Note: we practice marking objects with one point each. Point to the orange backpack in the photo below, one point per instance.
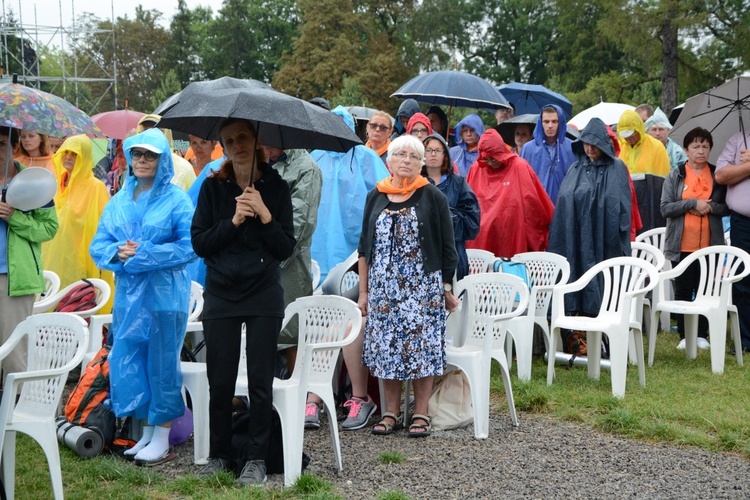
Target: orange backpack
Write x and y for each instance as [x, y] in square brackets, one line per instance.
[84, 406]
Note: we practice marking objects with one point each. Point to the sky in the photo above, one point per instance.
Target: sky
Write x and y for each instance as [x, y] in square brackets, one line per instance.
[48, 12]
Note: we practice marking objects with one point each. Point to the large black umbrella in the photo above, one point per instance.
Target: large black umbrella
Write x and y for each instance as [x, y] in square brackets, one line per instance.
[282, 121]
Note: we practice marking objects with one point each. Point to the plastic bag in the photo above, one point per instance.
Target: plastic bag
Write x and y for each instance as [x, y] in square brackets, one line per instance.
[450, 404]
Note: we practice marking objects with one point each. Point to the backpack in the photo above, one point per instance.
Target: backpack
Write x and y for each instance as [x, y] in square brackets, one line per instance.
[88, 402]
[81, 297]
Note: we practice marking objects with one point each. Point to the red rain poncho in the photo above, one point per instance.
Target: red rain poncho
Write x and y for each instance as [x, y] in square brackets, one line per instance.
[516, 210]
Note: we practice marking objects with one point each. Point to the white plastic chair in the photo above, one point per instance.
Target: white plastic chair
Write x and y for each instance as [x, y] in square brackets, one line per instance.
[326, 324]
[480, 261]
[623, 280]
[719, 266]
[55, 343]
[544, 270]
[489, 302]
[657, 237]
[641, 314]
[43, 302]
[103, 292]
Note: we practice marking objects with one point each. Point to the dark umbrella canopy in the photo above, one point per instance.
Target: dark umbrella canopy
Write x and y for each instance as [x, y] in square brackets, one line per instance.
[508, 127]
[452, 88]
[528, 98]
[282, 121]
[723, 111]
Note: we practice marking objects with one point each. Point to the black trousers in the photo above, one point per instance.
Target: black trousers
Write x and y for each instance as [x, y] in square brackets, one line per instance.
[739, 233]
[222, 359]
[685, 286]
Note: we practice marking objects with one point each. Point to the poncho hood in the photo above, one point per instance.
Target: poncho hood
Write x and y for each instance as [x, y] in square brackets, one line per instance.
[472, 121]
[154, 140]
[658, 118]
[83, 169]
[419, 118]
[562, 125]
[629, 120]
[492, 145]
[595, 133]
[408, 108]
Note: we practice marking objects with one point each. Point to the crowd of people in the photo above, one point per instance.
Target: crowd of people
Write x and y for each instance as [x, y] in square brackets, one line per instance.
[246, 220]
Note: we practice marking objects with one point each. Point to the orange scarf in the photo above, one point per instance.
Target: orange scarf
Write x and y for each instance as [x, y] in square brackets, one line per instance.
[386, 186]
[382, 150]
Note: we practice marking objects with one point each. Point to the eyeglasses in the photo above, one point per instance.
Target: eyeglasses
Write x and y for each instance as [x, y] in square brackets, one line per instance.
[403, 156]
[489, 160]
[148, 155]
[377, 126]
[438, 152]
[419, 131]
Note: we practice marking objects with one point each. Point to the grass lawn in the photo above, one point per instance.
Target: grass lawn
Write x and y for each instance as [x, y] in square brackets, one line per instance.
[683, 403]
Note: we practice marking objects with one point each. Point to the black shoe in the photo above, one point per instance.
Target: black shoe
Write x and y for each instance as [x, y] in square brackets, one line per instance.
[253, 473]
[215, 465]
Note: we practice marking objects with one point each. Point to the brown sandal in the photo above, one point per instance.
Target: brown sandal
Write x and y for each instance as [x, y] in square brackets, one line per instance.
[383, 428]
[420, 430]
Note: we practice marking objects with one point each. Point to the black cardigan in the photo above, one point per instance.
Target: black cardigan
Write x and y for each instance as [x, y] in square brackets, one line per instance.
[242, 263]
[435, 230]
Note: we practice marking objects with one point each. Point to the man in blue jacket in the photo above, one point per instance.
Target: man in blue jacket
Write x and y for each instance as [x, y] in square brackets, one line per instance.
[550, 153]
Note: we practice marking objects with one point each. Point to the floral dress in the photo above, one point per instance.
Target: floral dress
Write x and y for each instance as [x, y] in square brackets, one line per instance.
[405, 327]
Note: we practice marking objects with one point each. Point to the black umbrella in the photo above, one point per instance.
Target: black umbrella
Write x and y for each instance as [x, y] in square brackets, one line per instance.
[282, 121]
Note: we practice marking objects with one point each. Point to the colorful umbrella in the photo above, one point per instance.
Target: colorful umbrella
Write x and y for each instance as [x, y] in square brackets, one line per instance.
[117, 124]
[27, 108]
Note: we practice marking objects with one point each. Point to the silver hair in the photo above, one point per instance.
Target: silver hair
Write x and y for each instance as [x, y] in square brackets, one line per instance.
[405, 141]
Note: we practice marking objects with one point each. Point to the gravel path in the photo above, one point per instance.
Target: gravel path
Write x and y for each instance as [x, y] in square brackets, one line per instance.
[542, 458]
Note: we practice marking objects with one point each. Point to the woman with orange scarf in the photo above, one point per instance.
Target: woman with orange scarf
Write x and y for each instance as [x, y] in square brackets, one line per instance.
[407, 258]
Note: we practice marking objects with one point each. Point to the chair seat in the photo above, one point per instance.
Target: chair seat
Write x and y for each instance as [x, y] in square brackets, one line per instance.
[690, 307]
[584, 323]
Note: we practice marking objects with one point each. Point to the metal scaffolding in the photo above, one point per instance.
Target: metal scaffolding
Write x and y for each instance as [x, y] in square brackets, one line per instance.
[57, 59]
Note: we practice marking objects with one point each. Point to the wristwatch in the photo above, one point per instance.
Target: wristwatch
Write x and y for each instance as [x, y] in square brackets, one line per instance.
[447, 287]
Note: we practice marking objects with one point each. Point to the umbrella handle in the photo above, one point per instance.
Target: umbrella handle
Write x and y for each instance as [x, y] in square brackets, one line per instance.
[5, 190]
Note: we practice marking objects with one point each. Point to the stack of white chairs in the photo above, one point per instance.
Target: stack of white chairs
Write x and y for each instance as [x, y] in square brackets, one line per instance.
[657, 237]
[641, 314]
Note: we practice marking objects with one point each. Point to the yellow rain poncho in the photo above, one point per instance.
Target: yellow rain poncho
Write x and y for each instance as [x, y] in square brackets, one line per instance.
[80, 200]
[648, 163]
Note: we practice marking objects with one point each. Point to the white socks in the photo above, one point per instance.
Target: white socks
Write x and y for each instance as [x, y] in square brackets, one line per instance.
[148, 432]
[158, 446]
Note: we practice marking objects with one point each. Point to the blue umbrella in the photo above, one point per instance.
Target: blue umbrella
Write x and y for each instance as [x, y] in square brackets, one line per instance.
[529, 98]
[452, 88]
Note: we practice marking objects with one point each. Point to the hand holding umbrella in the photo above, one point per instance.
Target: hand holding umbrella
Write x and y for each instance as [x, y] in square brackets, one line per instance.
[250, 204]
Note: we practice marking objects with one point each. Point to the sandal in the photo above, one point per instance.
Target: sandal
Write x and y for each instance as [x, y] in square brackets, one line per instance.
[420, 430]
[383, 428]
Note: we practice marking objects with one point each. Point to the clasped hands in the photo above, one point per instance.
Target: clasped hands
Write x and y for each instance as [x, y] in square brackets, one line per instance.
[703, 207]
[250, 204]
[124, 252]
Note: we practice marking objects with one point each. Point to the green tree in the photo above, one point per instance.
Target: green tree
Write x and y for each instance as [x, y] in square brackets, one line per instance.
[351, 94]
[182, 44]
[510, 40]
[439, 34]
[167, 88]
[335, 40]
[248, 37]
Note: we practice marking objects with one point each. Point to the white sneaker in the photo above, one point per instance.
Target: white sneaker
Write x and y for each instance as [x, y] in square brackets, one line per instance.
[703, 343]
[681, 345]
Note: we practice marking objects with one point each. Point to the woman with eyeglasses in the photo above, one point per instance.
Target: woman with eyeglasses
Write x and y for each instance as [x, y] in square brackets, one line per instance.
[407, 258]
[80, 200]
[379, 130]
[144, 238]
[462, 201]
[419, 126]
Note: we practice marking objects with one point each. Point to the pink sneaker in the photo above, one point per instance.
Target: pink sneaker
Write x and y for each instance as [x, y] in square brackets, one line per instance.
[360, 411]
[312, 416]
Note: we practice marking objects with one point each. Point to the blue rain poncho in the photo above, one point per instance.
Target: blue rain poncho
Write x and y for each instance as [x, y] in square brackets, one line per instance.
[550, 162]
[347, 178]
[461, 156]
[152, 289]
[197, 269]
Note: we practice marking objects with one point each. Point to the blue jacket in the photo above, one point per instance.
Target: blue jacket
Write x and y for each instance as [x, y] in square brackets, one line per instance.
[347, 178]
[465, 215]
[461, 157]
[550, 163]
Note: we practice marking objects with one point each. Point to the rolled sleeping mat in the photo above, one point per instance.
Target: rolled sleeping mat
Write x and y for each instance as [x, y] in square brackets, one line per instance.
[565, 358]
[86, 442]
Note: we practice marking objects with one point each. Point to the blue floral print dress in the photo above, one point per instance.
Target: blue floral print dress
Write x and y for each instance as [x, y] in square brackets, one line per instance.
[405, 327]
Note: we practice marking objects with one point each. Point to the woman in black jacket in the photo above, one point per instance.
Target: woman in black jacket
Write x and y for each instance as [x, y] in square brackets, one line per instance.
[243, 229]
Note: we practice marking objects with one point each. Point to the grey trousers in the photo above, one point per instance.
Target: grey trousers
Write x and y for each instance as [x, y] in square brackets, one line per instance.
[13, 310]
